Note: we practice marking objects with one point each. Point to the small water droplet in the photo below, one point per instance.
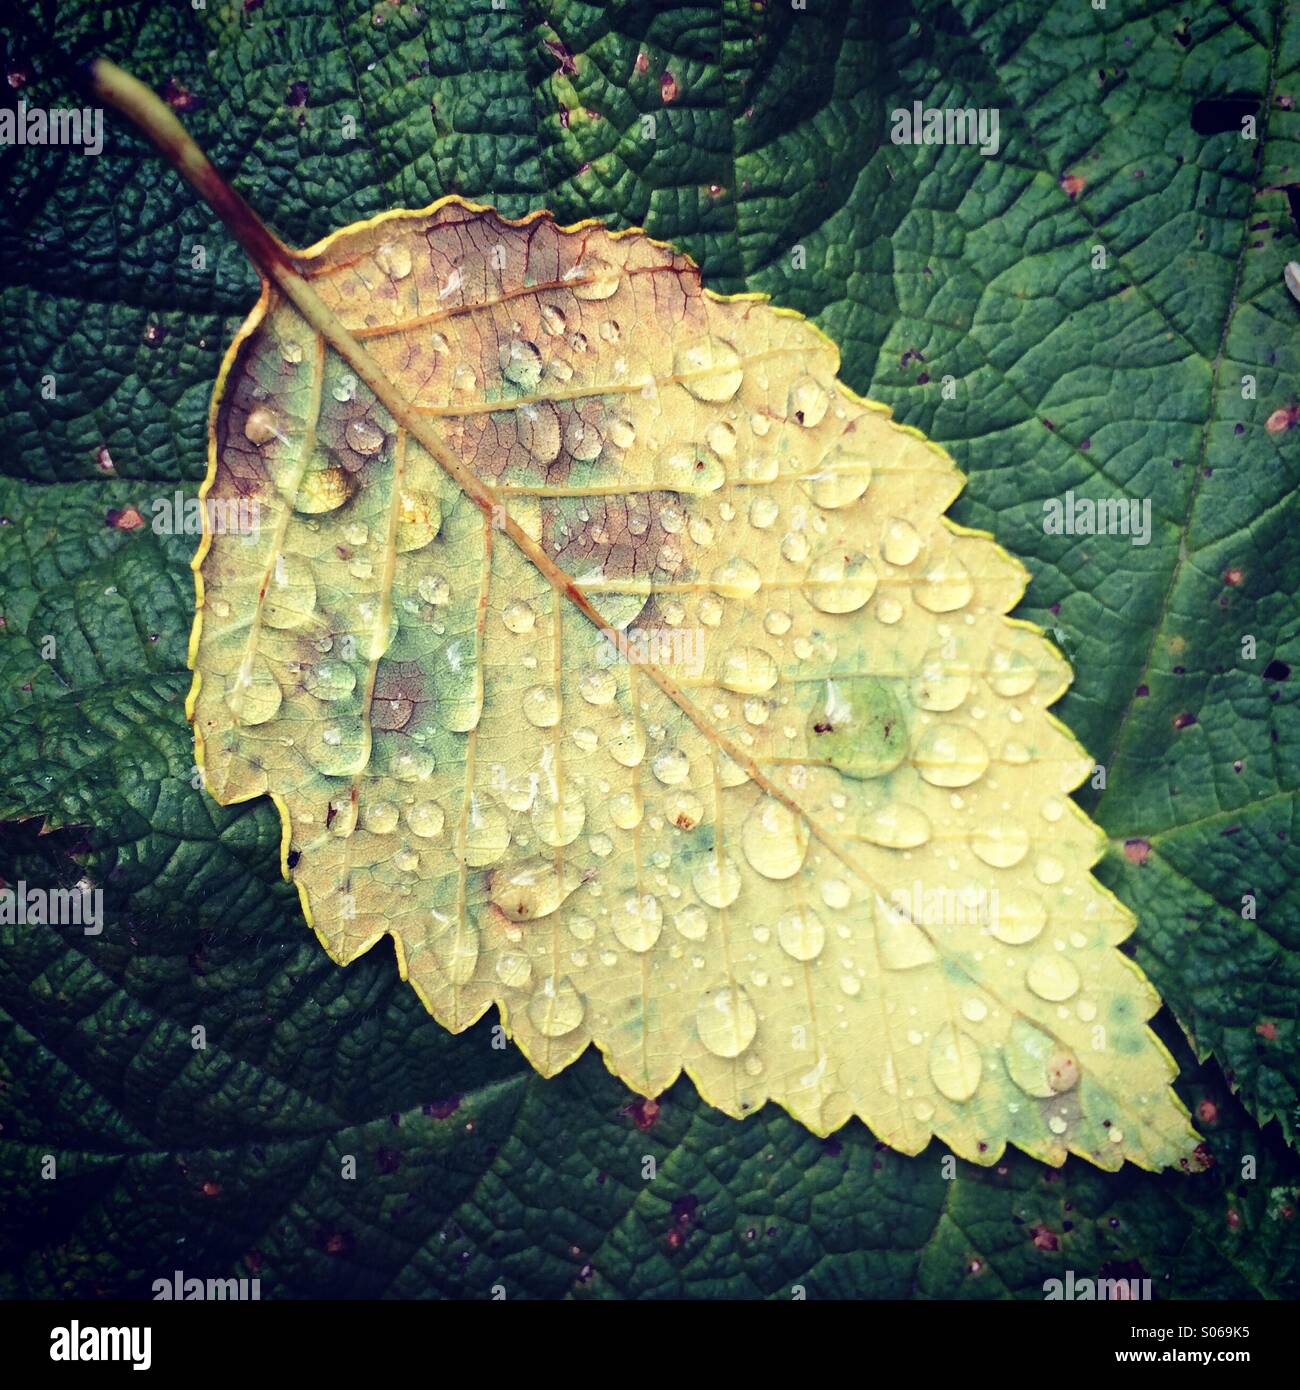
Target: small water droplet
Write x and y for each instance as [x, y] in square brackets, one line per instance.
[717, 881]
[802, 934]
[1052, 977]
[638, 921]
[364, 435]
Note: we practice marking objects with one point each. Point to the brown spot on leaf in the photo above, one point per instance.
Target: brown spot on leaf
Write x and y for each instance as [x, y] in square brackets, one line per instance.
[1072, 185]
[1137, 851]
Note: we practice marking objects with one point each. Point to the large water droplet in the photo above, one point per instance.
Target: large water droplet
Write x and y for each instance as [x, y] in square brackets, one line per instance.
[809, 402]
[671, 766]
[802, 934]
[1025, 1054]
[747, 671]
[775, 841]
[627, 745]
[841, 478]
[521, 364]
[256, 697]
[559, 822]
[941, 684]
[1019, 917]
[541, 706]
[692, 922]
[261, 426]
[1000, 844]
[597, 686]
[903, 945]
[947, 586]
[599, 279]
[394, 259]
[638, 921]
[525, 892]
[717, 881]
[364, 435]
[858, 727]
[710, 370]
[487, 832]
[1052, 977]
[557, 1008]
[456, 948]
[425, 819]
[1011, 673]
[738, 578]
[955, 1063]
[726, 1021]
[951, 755]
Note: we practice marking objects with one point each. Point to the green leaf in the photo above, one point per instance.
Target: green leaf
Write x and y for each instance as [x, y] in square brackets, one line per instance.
[1126, 381]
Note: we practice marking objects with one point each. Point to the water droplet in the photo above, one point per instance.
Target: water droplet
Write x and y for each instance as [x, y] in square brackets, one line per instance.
[1026, 1053]
[487, 833]
[455, 948]
[794, 547]
[394, 259]
[627, 746]
[531, 890]
[774, 840]
[684, 809]
[841, 478]
[1062, 1072]
[557, 1008]
[1020, 916]
[331, 680]
[256, 697]
[1052, 977]
[671, 766]
[721, 438]
[738, 578]
[747, 671]
[808, 402]
[763, 511]
[710, 370]
[840, 581]
[941, 684]
[622, 433]
[858, 727]
[425, 818]
[692, 922]
[541, 706]
[638, 921]
[1000, 844]
[690, 469]
[726, 1021]
[974, 1010]
[625, 811]
[601, 279]
[717, 881]
[581, 439]
[433, 588]
[380, 817]
[802, 934]
[1011, 673]
[518, 616]
[903, 945]
[902, 543]
[777, 622]
[597, 686]
[559, 821]
[261, 425]
[521, 364]
[836, 893]
[951, 755]
[700, 530]
[947, 586]
[553, 320]
[514, 969]
[955, 1063]
[323, 490]
[895, 827]
[364, 435]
